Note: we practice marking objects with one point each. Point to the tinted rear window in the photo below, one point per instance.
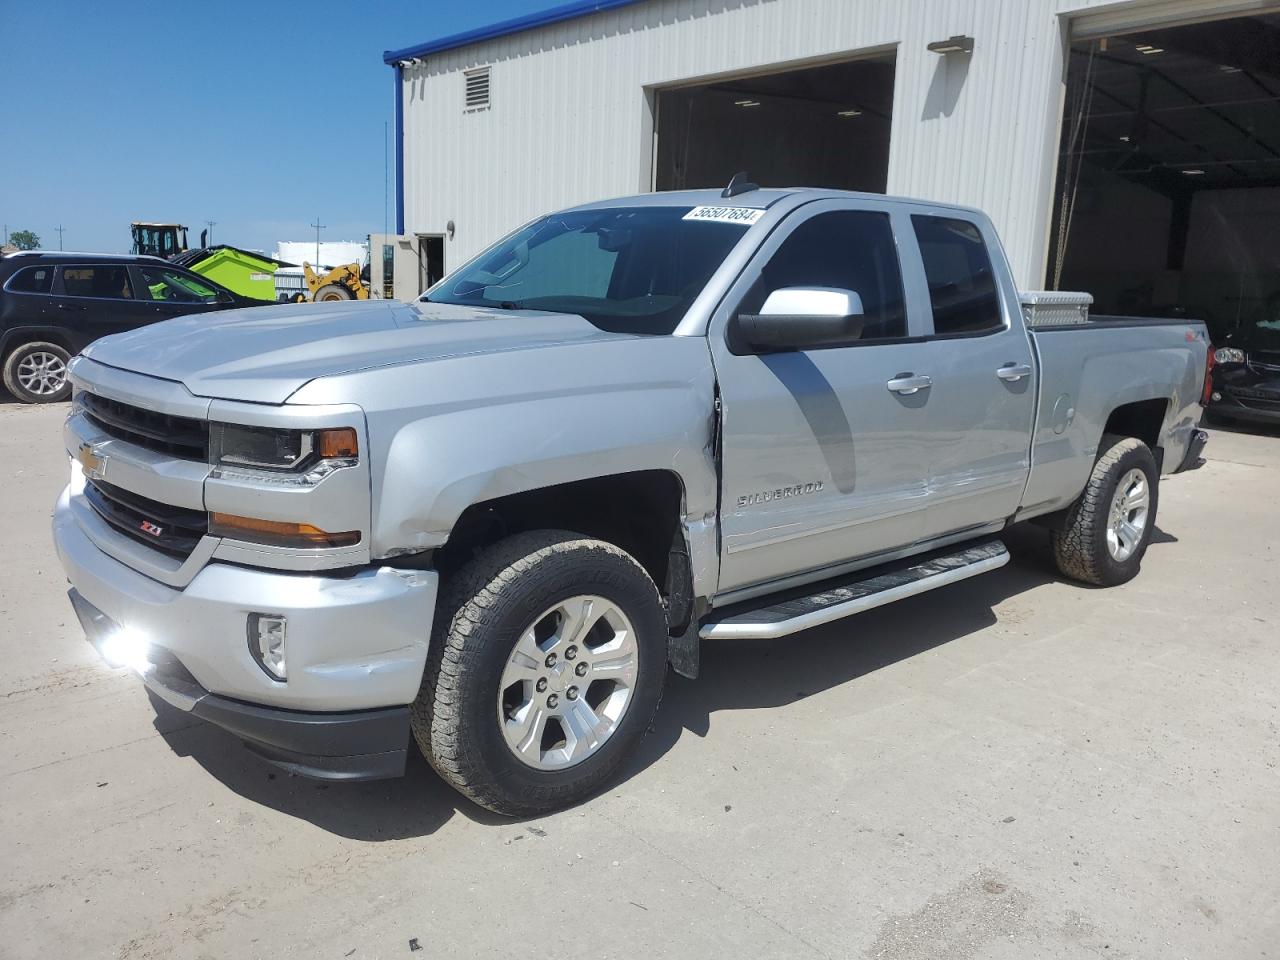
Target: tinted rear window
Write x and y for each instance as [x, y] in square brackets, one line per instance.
[32, 280]
[97, 281]
[962, 286]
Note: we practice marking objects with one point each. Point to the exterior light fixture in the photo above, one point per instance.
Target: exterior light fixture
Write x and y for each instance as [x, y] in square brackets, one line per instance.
[1193, 172]
[848, 113]
[956, 44]
[747, 103]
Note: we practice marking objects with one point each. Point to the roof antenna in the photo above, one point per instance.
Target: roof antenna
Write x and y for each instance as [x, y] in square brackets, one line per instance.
[739, 184]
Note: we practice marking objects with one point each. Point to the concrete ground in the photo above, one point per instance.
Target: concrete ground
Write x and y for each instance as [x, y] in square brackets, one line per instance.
[1013, 767]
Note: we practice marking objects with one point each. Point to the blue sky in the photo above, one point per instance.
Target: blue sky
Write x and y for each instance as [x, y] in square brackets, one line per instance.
[261, 116]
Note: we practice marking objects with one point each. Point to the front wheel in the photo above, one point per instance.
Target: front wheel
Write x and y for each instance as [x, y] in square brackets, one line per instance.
[547, 664]
[1108, 528]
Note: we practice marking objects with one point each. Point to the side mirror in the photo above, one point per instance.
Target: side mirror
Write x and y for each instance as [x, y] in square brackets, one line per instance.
[799, 318]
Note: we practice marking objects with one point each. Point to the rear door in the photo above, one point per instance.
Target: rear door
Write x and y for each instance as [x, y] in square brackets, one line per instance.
[822, 461]
[170, 292]
[96, 299]
[984, 378]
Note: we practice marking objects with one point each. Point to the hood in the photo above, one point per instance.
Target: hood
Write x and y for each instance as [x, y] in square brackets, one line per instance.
[265, 354]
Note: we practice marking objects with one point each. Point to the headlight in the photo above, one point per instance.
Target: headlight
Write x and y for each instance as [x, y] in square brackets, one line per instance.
[1228, 355]
[268, 448]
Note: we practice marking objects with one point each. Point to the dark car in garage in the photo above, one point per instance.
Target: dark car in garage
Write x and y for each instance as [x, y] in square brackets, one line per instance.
[53, 305]
[1246, 373]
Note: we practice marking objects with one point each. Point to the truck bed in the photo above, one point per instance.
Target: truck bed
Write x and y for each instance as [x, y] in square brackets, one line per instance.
[1088, 369]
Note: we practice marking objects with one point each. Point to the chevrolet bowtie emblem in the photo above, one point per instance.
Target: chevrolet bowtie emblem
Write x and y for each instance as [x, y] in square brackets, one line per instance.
[94, 464]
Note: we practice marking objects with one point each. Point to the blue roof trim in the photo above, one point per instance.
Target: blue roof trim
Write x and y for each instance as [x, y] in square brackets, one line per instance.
[568, 11]
[399, 81]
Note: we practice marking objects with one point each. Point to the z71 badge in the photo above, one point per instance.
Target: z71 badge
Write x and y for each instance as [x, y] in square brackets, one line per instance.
[782, 493]
[146, 526]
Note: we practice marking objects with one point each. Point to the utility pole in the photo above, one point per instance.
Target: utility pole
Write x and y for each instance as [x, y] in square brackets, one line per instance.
[210, 224]
[61, 230]
[319, 226]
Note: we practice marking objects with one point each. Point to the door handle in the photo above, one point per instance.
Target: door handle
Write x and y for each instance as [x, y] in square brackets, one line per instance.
[1013, 372]
[908, 383]
[72, 306]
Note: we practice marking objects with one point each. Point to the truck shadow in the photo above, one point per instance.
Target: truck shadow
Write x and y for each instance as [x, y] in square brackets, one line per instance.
[738, 675]
[756, 674]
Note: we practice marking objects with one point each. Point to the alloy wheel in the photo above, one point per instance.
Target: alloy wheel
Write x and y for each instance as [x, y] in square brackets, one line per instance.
[1127, 521]
[568, 683]
[42, 373]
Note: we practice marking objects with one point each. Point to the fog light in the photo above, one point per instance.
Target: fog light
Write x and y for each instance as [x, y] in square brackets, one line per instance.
[266, 643]
[1215, 396]
[127, 648]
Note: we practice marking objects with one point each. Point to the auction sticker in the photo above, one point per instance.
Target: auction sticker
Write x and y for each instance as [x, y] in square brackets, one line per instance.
[743, 215]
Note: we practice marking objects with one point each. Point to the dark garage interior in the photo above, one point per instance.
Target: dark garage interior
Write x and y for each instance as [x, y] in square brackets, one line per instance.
[1168, 198]
[822, 126]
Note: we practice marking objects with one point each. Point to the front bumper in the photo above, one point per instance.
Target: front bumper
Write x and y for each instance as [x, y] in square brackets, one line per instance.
[1253, 412]
[357, 644]
[354, 745]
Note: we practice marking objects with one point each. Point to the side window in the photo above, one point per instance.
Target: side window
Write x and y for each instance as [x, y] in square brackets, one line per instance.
[108, 282]
[171, 286]
[847, 249]
[962, 286]
[32, 280]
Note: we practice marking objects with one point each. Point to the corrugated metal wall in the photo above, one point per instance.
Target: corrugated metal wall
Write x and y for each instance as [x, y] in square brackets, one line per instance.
[570, 116]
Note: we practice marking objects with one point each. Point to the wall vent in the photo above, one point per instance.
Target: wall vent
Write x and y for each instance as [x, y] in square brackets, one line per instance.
[477, 92]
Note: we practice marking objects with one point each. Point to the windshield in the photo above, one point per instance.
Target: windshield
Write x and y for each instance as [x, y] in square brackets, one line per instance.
[627, 269]
[1262, 332]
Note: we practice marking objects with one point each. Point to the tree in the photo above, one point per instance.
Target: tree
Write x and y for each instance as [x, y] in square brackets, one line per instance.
[25, 239]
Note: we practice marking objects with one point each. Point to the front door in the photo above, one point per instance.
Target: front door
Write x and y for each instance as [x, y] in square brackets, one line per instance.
[176, 293]
[822, 461]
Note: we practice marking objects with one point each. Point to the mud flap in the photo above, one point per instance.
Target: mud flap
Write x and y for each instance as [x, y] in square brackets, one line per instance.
[684, 651]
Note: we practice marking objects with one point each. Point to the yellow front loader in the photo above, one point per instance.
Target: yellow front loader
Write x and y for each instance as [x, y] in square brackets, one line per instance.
[340, 283]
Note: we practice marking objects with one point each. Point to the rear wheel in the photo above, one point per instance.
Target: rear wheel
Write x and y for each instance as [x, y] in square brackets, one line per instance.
[37, 373]
[1108, 528]
[547, 664]
[332, 291]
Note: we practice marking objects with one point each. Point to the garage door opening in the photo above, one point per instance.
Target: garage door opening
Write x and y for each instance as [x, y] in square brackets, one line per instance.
[824, 126]
[1169, 179]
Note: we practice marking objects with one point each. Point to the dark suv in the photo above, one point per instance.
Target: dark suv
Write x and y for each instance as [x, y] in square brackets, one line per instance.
[52, 305]
[1246, 371]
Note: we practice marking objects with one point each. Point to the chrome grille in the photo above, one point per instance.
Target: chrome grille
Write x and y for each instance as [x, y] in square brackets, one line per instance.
[182, 437]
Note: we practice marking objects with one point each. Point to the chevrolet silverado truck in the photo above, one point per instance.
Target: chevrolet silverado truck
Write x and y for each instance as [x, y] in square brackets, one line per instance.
[490, 520]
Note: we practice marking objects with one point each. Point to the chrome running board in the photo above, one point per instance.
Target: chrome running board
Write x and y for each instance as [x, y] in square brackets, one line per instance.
[865, 590]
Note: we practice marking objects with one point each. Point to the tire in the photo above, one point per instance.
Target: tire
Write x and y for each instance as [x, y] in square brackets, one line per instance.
[37, 373]
[1083, 549]
[332, 291]
[488, 612]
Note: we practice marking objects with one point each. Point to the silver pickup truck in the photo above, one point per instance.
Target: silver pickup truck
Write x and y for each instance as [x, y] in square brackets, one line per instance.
[489, 520]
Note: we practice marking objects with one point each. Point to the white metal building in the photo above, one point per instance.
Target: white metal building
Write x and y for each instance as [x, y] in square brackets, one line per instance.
[1041, 112]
